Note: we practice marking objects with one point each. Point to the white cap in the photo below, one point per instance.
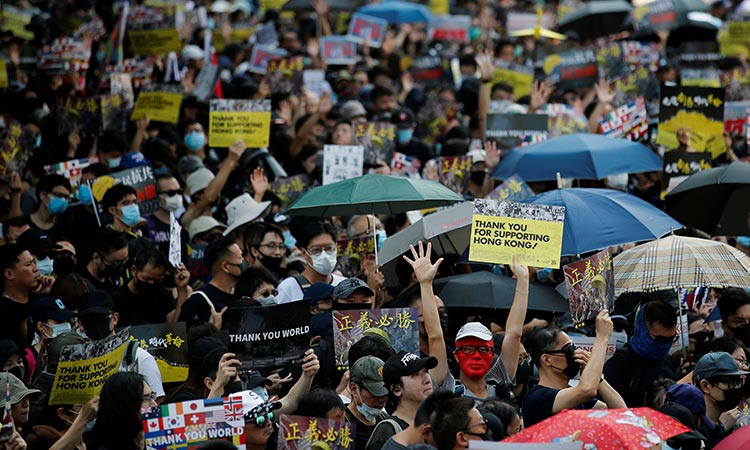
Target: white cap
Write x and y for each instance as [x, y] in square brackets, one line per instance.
[202, 224]
[474, 329]
[220, 7]
[243, 209]
[192, 52]
[198, 180]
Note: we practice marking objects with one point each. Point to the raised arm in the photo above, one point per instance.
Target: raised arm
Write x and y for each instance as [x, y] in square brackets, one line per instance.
[514, 325]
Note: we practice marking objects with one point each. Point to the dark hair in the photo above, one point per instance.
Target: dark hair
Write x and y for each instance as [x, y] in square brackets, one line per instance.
[502, 43]
[69, 289]
[151, 256]
[318, 402]
[654, 390]
[97, 169]
[18, 221]
[255, 233]
[450, 418]
[304, 230]
[379, 92]
[723, 344]
[112, 140]
[370, 346]
[503, 411]
[108, 241]
[48, 182]
[431, 404]
[731, 300]
[115, 194]
[505, 87]
[251, 279]
[216, 251]
[659, 312]
[9, 254]
[540, 341]
[118, 421]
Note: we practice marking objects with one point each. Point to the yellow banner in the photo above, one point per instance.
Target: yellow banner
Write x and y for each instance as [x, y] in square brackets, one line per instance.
[154, 42]
[80, 381]
[702, 82]
[240, 34]
[254, 128]
[521, 82]
[265, 5]
[158, 106]
[16, 22]
[496, 239]
[3, 74]
[439, 7]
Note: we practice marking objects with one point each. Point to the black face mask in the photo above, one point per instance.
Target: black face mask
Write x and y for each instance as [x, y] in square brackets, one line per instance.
[18, 371]
[147, 289]
[272, 263]
[732, 398]
[477, 177]
[65, 264]
[742, 333]
[573, 367]
[444, 322]
[96, 328]
[110, 271]
[523, 372]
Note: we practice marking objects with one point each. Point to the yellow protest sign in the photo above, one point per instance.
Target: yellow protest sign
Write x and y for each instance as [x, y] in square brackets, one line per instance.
[3, 74]
[155, 42]
[521, 82]
[439, 7]
[15, 20]
[238, 34]
[84, 368]
[502, 229]
[160, 106]
[248, 120]
[265, 5]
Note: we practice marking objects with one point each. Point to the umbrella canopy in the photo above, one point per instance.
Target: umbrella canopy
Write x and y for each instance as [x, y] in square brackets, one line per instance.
[448, 231]
[596, 19]
[714, 200]
[677, 261]
[598, 218]
[398, 12]
[489, 290]
[738, 440]
[606, 429]
[585, 156]
[307, 5]
[373, 194]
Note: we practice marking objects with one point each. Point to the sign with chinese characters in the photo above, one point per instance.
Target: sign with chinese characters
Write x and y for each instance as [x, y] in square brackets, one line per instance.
[285, 74]
[572, 70]
[513, 189]
[167, 343]
[591, 287]
[351, 252]
[453, 171]
[341, 162]
[701, 110]
[398, 324]
[378, 140]
[679, 165]
[140, 178]
[290, 189]
[306, 433]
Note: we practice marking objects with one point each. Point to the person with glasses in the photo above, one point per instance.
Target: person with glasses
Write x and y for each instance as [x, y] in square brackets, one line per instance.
[53, 197]
[645, 358]
[170, 202]
[109, 251]
[734, 306]
[317, 241]
[457, 422]
[259, 285]
[264, 247]
[260, 417]
[559, 361]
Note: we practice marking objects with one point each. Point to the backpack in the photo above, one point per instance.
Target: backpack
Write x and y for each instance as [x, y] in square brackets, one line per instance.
[303, 282]
[394, 423]
[130, 360]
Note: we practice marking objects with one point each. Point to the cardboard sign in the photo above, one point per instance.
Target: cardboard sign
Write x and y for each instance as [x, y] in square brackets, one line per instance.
[315, 82]
[587, 343]
[378, 140]
[369, 30]
[154, 42]
[13, 147]
[161, 103]
[267, 34]
[429, 70]
[502, 229]
[140, 178]
[15, 20]
[90, 116]
[513, 189]
[285, 75]
[121, 84]
[736, 117]
[572, 70]
[399, 324]
[700, 109]
[591, 287]
[338, 50]
[291, 188]
[516, 20]
[260, 57]
[405, 166]
[65, 54]
[205, 82]
[247, 120]
[629, 121]
[305, 433]
[513, 130]
[450, 28]
[83, 368]
[679, 165]
[167, 343]
[519, 80]
[682, 331]
[453, 171]
[341, 162]
[269, 336]
[659, 15]
[175, 243]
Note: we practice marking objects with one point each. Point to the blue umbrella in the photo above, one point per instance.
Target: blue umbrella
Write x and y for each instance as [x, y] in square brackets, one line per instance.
[598, 218]
[583, 156]
[398, 12]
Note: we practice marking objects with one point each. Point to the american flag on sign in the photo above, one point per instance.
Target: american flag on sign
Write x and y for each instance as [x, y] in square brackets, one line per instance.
[216, 416]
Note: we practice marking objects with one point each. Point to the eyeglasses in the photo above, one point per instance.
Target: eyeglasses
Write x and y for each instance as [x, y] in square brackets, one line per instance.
[741, 363]
[171, 193]
[702, 336]
[315, 251]
[732, 383]
[274, 247]
[524, 359]
[269, 293]
[740, 323]
[260, 420]
[471, 349]
[666, 339]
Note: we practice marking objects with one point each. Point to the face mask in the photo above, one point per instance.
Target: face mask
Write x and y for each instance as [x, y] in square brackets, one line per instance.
[368, 412]
[57, 205]
[267, 301]
[114, 163]
[324, 263]
[477, 177]
[732, 398]
[97, 328]
[523, 372]
[573, 368]
[110, 270]
[2, 122]
[272, 263]
[244, 265]
[18, 371]
[380, 237]
[163, 170]
[474, 33]
[195, 140]
[84, 195]
[477, 365]
[147, 289]
[262, 393]
[619, 181]
[131, 215]
[46, 266]
[58, 329]
[643, 344]
[90, 425]
[38, 141]
[173, 203]
[741, 333]
[404, 136]
[289, 240]
[339, 306]
[621, 338]
[210, 23]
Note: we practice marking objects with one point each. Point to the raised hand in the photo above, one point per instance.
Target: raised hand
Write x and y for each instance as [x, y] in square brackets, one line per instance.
[603, 92]
[423, 267]
[259, 181]
[491, 154]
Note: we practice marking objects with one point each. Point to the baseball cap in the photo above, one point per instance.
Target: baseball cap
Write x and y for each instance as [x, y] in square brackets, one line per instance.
[318, 292]
[474, 329]
[50, 308]
[7, 349]
[368, 372]
[716, 364]
[403, 118]
[192, 52]
[199, 180]
[133, 159]
[36, 242]
[691, 398]
[352, 109]
[18, 390]
[404, 364]
[255, 379]
[96, 302]
[202, 224]
[189, 164]
[347, 287]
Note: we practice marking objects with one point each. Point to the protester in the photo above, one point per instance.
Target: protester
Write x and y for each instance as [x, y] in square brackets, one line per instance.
[734, 305]
[20, 278]
[20, 400]
[456, 422]
[270, 239]
[369, 395]
[53, 195]
[105, 268]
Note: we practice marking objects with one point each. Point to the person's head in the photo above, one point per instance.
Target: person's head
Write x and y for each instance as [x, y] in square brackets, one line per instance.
[468, 65]
[194, 137]
[502, 91]
[551, 351]
[69, 289]
[343, 133]
[320, 296]
[53, 193]
[370, 345]
[456, 422]
[415, 301]
[573, 99]
[474, 350]
[369, 393]
[734, 306]
[259, 417]
[654, 331]
[699, 333]
[508, 415]
[731, 346]
[18, 267]
[259, 284]
[383, 100]
[720, 379]
[264, 243]
[110, 147]
[124, 396]
[289, 41]
[243, 211]
[170, 193]
[50, 317]
[109, 252]
[317, 240]
[656, 392]
[353, 112]
[505, 51]
[96, 314]
[12, 358]
[121, 201]
[223, 258]
[425, 411]
[691, 397]
[148, 271]
[353, 291]
[205, 229]
[14, 227]
[407, 378]
[321, 403]
[20, 398]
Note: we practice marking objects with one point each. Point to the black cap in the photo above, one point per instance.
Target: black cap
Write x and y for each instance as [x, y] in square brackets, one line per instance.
[7, 349]
[36, 242]
[403, 118]
[50, 308]
[96, 302]
[403, 364]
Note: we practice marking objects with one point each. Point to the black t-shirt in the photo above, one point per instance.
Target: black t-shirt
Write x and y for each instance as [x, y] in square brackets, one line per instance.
[137, 309]
[538, 404]
[384, 431]
[79, 226]
[196, 306]
[108, 285]
[630, 375]
[14, 321]
[363, 430]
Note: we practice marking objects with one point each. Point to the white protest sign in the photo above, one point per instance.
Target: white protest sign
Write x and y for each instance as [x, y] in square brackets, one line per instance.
[175, 243]
[341, 162]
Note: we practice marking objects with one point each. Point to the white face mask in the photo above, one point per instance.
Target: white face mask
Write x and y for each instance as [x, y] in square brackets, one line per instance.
[173, 203]
[46, 266]
[267, 301]
[324, 263]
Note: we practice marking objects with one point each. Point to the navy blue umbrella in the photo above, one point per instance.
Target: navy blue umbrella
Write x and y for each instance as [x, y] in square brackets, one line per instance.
[598, 218]
[582, 156]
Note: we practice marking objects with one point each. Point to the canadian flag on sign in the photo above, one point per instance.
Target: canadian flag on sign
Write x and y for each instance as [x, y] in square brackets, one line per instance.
[153, 424]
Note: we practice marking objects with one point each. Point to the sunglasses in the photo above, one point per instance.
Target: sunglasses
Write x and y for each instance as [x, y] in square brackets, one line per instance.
[567, 348]
[260, 420]
[702, 336]
[171, 193]
[665, 339]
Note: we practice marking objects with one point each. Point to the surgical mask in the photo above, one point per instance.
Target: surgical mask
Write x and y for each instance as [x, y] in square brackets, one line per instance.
[210, 23]
[643, 344]
[262, 393]
[368, 412]
[324, 262]
[380, 237]
[38, 141]
[621, 338]
[289, 240]
[84, 195]
[543, 275]
[619, 181]
[404, 136]
[46, 266]
[114, 163]
[58, 329]
[91, 424]
[131, 214]
[244, 265]
[57, 205]
[163, 170]
[267, 301]
[173, 203]
[18, 371]
[2, 122]
[195, 140]
[474, 33]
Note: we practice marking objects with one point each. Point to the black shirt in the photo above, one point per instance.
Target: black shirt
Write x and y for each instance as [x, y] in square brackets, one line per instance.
[630, 375]
[196, 306]
[538, 404]
[108, 285]
[364, 431]
[138, 309]
[14, 321]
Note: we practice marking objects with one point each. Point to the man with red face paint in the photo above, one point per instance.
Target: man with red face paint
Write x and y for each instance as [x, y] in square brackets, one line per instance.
[475, 348]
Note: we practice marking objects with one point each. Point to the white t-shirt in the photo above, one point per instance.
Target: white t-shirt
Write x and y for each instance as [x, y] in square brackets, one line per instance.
[290, 290]
[149, 369]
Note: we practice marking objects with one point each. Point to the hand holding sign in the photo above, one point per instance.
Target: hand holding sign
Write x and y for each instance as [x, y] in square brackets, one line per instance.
[226, 372]
[310, 364]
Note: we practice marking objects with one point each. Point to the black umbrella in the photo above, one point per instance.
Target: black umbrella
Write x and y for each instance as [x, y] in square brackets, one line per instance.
[716, 201]
[333, 5]
[489, 290]
[597, 18]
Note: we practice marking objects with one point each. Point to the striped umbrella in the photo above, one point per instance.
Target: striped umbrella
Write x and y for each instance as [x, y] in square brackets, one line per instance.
[678, 261]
